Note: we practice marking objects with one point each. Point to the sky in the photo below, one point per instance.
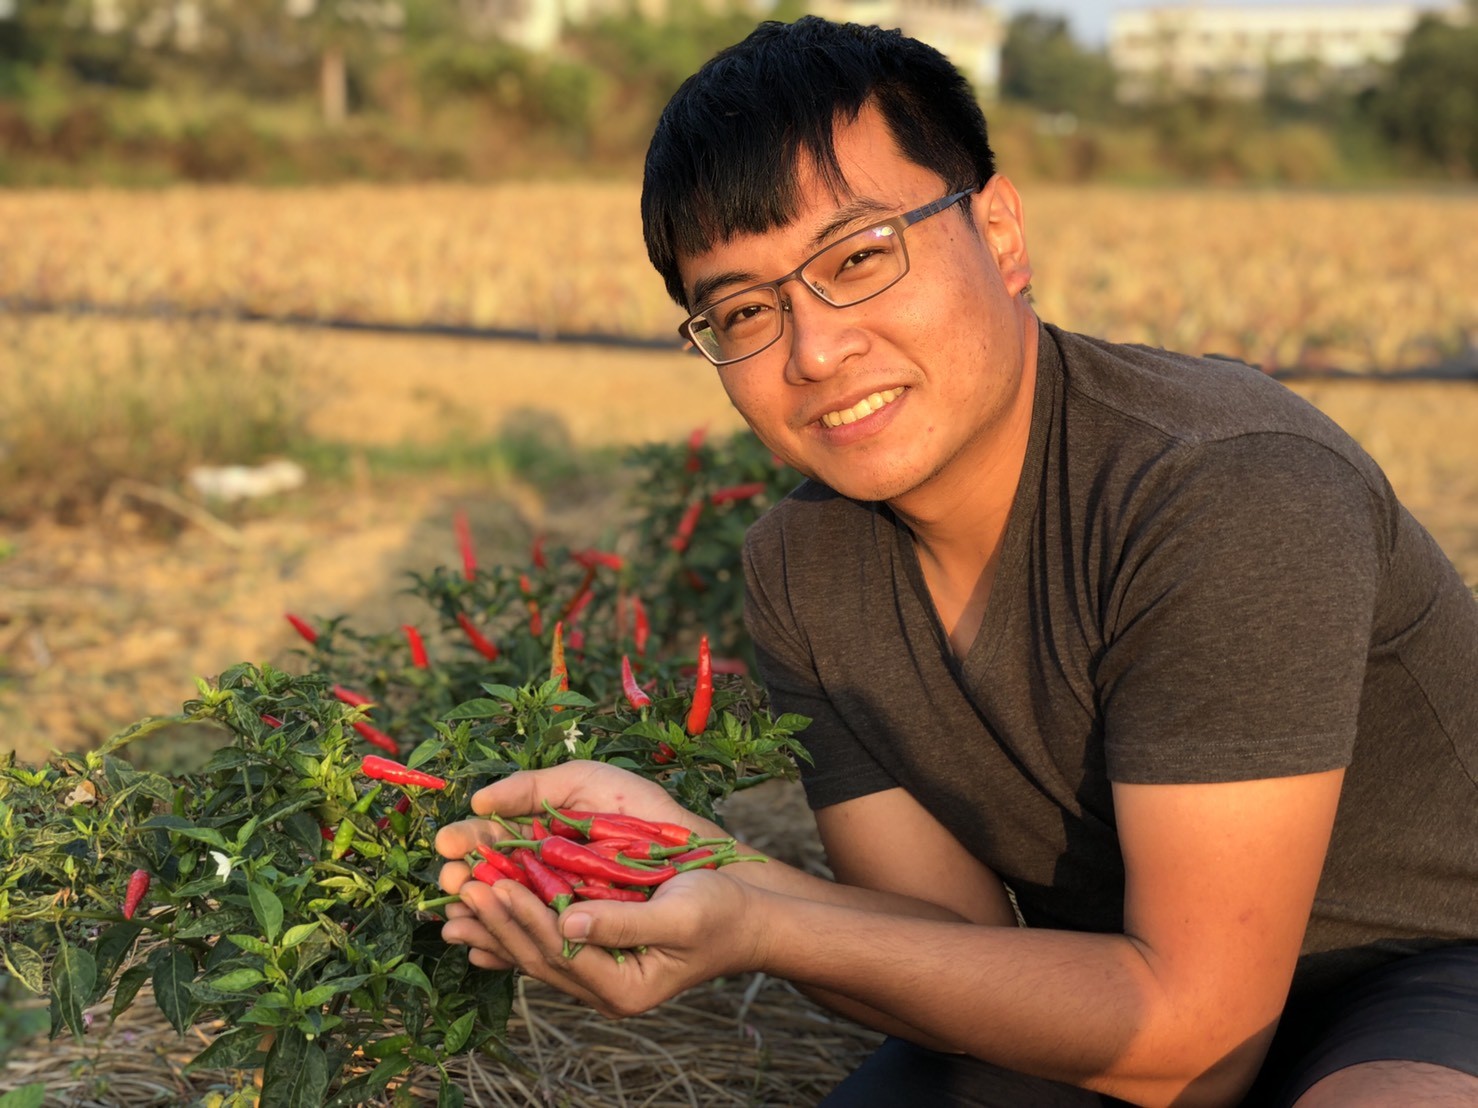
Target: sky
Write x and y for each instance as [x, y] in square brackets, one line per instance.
[1089, 19]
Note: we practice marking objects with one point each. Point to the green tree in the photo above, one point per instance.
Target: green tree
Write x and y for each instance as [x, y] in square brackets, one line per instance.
[1428, 106]
[1043, 65]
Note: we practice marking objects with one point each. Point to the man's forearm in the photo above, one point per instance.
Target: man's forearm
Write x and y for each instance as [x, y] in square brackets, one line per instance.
[1078, 1008]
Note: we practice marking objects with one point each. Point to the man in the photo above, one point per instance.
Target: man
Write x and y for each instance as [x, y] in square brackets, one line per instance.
[1142, 637]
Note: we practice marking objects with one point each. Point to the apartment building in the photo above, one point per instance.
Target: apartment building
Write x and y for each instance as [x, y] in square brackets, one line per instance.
[1189, 46]
[968, 32]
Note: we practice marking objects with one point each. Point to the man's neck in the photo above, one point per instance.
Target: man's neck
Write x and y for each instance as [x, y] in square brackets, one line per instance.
[959, 518]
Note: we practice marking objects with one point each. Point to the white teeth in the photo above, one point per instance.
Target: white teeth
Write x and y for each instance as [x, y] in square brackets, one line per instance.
[862, 408]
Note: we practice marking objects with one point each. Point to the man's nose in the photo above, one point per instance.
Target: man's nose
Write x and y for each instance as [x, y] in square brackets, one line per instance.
[821, 337]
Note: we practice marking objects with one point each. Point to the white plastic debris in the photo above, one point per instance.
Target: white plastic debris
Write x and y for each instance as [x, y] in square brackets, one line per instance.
[246, 482]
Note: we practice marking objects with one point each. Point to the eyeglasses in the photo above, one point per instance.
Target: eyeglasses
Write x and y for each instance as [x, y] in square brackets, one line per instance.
[847, 272]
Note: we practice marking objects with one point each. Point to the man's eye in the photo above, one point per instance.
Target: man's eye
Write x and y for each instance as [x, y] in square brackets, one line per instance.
[862, 257]
[741, 314]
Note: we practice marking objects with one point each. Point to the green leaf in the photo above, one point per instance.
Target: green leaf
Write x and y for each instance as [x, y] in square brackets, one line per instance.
[73, 975]
[233, 1050]
[476, 709]
[27, 1096]
[129, 984]
[414, 975]
[174, 973]
[458, 1033]
[450, 1095]
[27, 966]
[236, 981]
[252, 945]
[267, 908]
[296, 1073]
[299, 934]
[110, 950]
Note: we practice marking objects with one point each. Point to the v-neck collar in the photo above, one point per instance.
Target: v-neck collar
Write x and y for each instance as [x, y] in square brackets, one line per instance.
[1007, 588]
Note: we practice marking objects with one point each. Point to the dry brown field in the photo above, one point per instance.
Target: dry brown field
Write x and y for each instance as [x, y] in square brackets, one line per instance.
[1354, 280]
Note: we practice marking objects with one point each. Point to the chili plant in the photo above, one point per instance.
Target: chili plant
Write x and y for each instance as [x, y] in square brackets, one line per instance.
[288, 887]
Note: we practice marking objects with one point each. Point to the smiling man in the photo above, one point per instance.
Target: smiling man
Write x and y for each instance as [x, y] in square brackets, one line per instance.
[1140, 637]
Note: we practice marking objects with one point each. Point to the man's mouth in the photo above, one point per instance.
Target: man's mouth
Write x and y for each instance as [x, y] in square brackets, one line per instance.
[862, 409]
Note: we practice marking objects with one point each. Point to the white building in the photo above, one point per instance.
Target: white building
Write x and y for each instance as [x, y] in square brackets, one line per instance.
[1200, 46]
[968, 32]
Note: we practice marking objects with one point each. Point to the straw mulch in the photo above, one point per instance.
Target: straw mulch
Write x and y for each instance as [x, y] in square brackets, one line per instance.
[752, 1040]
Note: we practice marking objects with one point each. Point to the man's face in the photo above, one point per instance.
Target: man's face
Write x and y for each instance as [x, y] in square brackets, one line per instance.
[881, 399]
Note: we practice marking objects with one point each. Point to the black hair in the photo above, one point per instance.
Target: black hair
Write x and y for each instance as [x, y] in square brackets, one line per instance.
[726, 151]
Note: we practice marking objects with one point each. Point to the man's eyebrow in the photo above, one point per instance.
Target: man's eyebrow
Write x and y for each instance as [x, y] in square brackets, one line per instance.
[705, 288]
[861, 207]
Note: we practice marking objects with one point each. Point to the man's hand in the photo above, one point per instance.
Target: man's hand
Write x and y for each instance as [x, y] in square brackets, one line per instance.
[696, 927]
[483, 922]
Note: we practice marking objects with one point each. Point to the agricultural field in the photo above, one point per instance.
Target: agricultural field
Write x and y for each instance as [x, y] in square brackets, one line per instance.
[1355, 281]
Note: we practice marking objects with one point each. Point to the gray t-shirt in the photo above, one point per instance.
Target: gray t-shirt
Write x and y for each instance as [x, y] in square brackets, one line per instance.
[1203, 579]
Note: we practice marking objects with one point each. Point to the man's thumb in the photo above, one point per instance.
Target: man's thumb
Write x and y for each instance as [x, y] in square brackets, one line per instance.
[607, 925]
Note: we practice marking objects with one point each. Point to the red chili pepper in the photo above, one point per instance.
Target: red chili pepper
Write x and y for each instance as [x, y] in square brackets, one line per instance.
[570, 855]
[536, 553]
[138, 888]
[383, 769]
[475, 637]
[703, 693]
[579, 600]
[640, 849]
[349, 696]
[664, 756]
[302, 626]
[736, 492]
[614, 825]
[686, 526]
[577, 640]
[417, 645]
[538, 830]
[464, 540]
[604, 892]
[557, 655]
[506, 866]
[536, 620]
[642, 625]
[634, 694]
[375, 737]
[695, 582]
[590, 559]
[695, 443]
[271, 721]
[735, 666]
[552, 889]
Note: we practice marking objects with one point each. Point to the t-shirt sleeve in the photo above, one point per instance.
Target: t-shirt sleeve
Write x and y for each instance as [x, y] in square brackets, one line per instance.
[1238, 627]
[840, 767]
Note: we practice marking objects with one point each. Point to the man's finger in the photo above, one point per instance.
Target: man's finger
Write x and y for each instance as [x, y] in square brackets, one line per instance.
[457, 840]
[523, 792]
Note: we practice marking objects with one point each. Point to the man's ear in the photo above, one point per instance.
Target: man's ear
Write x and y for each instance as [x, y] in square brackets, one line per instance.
[998, 214]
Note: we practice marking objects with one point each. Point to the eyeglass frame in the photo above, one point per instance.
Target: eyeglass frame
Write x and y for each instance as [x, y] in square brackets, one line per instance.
[899, 222]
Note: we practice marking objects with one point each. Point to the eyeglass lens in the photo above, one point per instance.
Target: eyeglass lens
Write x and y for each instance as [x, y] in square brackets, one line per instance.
[847, 272]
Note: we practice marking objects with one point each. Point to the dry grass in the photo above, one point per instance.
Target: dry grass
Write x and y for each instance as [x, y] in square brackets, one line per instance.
[87, 406]
[1360, 281]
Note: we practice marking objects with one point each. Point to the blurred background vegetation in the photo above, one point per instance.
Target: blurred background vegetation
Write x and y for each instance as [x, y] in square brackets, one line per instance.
[295, 91]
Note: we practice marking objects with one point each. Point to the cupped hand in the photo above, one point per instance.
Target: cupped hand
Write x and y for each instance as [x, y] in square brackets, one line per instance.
[592, 786]
[698, 926]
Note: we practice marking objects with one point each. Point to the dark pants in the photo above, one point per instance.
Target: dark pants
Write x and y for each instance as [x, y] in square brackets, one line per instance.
[1418, 1009]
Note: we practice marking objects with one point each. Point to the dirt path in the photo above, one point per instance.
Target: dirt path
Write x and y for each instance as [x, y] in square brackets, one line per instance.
[103, 625]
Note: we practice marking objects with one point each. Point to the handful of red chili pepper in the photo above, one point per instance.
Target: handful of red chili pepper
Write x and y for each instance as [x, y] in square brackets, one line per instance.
[579, 855]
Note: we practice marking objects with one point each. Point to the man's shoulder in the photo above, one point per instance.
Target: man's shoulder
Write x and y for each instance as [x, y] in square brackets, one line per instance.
[1183, 398]
[810, 528]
